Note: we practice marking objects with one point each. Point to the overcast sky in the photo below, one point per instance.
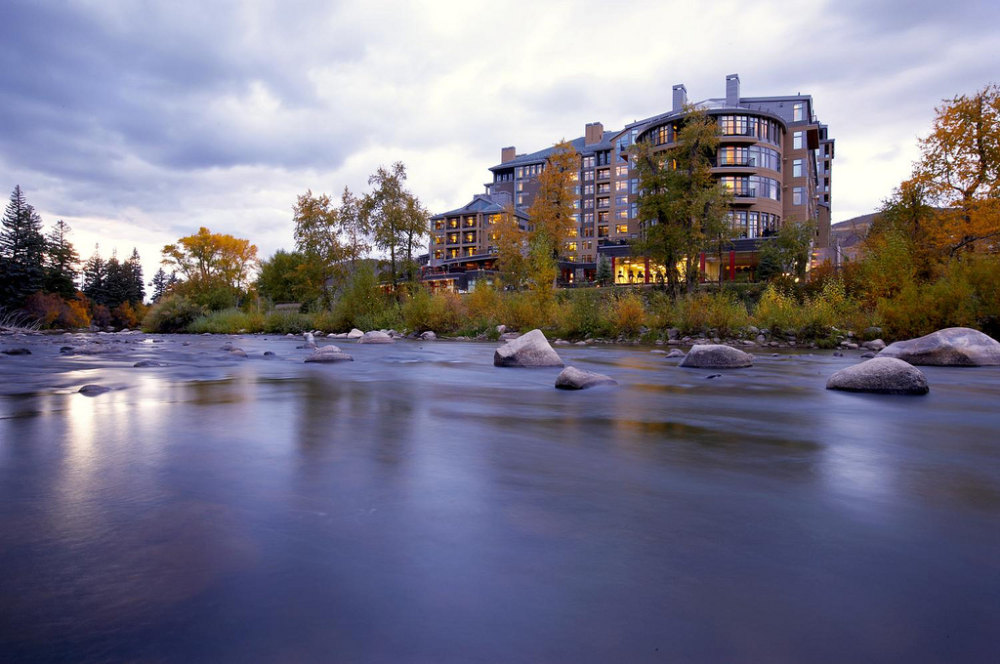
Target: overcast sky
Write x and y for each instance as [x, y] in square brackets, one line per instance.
[137, 122]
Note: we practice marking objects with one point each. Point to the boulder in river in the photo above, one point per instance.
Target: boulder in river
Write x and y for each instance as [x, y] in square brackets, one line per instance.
[355, 333]
[950, 347]
[16, 351]
[880, 375]
[716, 356]
[572, 378]
[428, 336]
[93, 390]
[675, 352]
[376, 337]
[329, 353]
[310, 340]
[528, 350]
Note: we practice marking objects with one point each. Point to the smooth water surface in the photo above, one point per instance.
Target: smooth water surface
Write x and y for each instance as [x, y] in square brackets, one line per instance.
[420, 505]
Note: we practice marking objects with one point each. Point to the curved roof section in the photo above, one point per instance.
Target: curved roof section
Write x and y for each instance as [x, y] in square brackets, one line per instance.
[713, 107]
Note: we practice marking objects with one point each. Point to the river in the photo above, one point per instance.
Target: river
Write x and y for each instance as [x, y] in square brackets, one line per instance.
[420, 505]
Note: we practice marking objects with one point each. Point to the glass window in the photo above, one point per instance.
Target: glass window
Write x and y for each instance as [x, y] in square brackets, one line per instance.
[798, 196]
[798, 111]
[797, 140]
[797, 168]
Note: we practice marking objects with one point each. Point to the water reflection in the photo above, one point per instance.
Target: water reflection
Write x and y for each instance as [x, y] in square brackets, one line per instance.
[420, 505]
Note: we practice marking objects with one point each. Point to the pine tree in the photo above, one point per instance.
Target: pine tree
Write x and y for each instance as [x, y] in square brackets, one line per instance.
[95, 276]
[62, 259]
[116, 282]
[135, 288]
[22, 251]
[159, 284]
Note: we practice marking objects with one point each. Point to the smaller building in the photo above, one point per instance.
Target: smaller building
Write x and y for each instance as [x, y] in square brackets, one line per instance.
[463, 242]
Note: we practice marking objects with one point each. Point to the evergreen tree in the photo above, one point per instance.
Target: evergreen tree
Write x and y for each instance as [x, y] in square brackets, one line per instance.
[604, 274]
[62, 259]
[159, 284]
[135, 290]
[95, 276]
[22, 251]
[116, 282]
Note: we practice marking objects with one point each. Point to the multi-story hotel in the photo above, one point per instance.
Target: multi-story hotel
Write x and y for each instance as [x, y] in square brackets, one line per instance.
[774, 157]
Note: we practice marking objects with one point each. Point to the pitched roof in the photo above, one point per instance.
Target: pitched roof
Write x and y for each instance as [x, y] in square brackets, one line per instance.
[479, 203]
[579, 144]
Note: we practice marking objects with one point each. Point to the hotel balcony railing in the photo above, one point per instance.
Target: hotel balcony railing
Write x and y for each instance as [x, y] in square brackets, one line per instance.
[745, 193]
[746, 163]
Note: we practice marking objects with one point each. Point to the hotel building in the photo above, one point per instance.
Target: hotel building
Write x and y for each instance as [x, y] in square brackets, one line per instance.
[774, 157]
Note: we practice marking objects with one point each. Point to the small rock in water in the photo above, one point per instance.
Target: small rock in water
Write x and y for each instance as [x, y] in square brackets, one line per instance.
[268, 353]
[328, 354]
[710, 376]
[428, 336]
[572, 378]
[141, 364]
[16, 351]
[716, 356]
[238, 352]
[675, 352]
[376, 337]
[93, 390]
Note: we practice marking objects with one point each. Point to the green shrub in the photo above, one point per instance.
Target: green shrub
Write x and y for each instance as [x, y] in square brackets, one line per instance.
[777, 310]
[228, 321]
[701, 311]
[172, 313]
[287, 322]
[441, 312]
[628, 315]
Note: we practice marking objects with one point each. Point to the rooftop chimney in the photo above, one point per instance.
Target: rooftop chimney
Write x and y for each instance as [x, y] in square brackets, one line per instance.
[593, 133]
[733, 90]
[680, 96]
[507, 154]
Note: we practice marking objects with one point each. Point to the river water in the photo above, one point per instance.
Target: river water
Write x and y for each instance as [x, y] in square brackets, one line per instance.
[420, 505]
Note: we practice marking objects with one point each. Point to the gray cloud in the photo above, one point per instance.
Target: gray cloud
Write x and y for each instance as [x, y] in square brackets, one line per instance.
[162, 116]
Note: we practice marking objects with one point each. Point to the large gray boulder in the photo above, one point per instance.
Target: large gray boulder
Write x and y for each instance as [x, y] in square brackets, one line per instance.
[572, 378]
[376, 337]
[528, 350]
[950, 347]
[881, 375]
[716, 356]
[355, 333]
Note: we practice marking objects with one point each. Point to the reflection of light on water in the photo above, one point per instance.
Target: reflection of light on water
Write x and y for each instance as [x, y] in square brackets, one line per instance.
[857, 462]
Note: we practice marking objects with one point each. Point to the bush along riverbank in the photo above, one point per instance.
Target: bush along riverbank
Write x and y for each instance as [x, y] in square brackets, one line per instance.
[751, 315]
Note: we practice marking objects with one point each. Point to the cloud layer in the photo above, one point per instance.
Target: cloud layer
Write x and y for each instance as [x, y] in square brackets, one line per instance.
[138, 122]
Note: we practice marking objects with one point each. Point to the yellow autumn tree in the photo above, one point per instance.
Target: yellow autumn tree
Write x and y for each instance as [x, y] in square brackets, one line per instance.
[551, 213]
[215, 267]
[511, 242]
[959, 169]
